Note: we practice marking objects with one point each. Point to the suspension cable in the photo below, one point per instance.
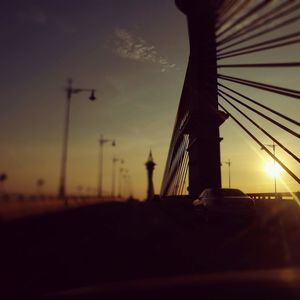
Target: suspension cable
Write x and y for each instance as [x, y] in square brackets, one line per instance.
[267, 65]
[265, 43]
[261, 21]
[264, 116]
[255, 35]
[245, 16]
[182, 170]
[180, 165]
[261, 49]
[267, 87]
[261, 105]
[260, 128]
[184, 174]
[225, 7]
[231, 14]
[262, 146]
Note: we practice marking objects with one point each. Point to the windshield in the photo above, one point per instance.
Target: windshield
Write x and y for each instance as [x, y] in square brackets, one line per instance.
[115, 115]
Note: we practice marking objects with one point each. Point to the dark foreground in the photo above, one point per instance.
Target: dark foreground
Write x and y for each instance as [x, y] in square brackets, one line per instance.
[151, 250]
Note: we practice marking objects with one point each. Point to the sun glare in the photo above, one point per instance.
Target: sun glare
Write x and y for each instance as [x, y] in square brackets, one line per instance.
[273, 169]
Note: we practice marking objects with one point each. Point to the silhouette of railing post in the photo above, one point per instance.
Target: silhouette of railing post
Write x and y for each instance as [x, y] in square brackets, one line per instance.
[204, 149]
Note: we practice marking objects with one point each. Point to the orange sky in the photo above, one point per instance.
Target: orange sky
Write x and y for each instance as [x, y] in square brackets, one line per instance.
[138, 68]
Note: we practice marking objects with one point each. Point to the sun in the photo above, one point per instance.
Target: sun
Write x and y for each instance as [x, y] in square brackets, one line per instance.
[272, 168]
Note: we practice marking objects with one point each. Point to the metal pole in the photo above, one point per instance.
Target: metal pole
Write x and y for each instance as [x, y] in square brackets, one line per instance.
[229, 177]
[113, 183]
[100, 167]
[125, 185]
[130, 186]
[275, 183]
[69, 91]
[62, 188]
[273, 146]
[100, 183]
[120, 183]
[112, 179]
[229, 172]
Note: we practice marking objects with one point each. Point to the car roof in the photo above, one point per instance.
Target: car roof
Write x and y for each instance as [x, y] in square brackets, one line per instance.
[224, 191]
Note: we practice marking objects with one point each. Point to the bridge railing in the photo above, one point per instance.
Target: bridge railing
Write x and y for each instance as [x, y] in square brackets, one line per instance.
[273, 196]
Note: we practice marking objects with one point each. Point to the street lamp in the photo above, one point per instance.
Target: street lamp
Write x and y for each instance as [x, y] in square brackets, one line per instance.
[130, 186]
[113, 184]
[113, 181]
[128, 189]
[273, 146]
[102, 141]
[69, 92]
[121, 169]
[229, 177]
[39, 184]
[125, 181]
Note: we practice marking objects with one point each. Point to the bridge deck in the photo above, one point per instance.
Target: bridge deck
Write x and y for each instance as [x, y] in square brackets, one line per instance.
[120, 241]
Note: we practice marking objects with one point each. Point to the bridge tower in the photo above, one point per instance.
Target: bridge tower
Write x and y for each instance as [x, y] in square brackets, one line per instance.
[150, 164]
[200, 94]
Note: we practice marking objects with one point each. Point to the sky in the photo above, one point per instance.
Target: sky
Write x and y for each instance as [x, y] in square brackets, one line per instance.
[134, 53]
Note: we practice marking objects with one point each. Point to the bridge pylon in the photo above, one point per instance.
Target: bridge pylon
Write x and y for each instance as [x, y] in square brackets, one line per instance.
[200, 94]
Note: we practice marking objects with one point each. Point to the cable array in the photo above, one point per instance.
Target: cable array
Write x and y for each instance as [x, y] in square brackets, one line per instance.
[272, 26]
[255, 37]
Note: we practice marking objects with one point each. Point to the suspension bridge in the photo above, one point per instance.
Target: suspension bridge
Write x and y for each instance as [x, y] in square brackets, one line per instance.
[234, 36]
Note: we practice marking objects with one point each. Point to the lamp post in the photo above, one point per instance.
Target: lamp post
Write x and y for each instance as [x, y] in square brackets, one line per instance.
[273, 146]
[113, 184]
[125, 181]
[39, 184]
[102, 141]
[113, 180]
[229, 177]
[120, 179]
[130, 186]
[70, 90]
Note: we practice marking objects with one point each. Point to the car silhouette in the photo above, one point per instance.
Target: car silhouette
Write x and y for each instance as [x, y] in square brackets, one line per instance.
[219, 203]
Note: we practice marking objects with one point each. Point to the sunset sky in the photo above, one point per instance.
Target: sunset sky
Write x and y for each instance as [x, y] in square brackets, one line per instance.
[134, 53]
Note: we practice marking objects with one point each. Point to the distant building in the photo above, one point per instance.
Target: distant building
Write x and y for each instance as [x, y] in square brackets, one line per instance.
[150, 164]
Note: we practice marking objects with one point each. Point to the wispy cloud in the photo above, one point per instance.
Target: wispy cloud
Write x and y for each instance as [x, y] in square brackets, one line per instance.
[135, 48]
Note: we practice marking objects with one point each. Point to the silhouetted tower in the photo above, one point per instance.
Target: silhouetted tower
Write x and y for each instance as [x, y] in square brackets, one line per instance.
[150, 164]
[200, 92]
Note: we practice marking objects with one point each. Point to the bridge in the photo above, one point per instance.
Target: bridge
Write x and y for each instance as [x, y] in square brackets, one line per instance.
[90, 250]
[234, 31]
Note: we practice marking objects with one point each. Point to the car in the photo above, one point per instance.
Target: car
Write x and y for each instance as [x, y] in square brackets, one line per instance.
[224, 202]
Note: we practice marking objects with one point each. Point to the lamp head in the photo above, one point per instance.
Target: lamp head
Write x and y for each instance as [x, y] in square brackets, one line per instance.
[92, 97]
